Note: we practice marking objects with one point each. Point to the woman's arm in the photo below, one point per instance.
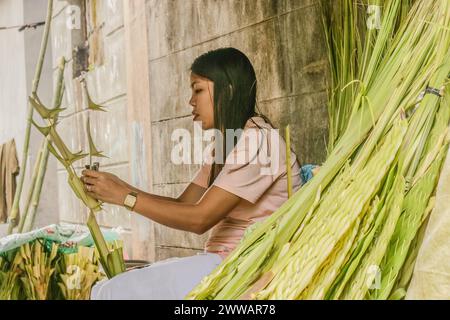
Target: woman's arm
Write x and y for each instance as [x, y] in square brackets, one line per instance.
[198, 218]
[208, 209]
[191, 194]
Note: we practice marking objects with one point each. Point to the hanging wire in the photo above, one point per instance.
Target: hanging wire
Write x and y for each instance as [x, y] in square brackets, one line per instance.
[25, 26]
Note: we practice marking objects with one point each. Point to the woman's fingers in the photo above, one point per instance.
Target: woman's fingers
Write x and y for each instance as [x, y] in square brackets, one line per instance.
[93, 192]
[93, 195]
[104, 186]
[97, 193]
[94, 188]
[88, 180]
[91, 173]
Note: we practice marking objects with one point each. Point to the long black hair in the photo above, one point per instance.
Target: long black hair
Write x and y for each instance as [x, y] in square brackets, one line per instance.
[235, 88]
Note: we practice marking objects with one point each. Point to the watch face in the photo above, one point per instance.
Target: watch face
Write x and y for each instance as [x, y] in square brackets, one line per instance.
[130, 200]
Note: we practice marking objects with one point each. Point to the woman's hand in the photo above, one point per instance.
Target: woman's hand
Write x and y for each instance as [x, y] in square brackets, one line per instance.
[105, 186]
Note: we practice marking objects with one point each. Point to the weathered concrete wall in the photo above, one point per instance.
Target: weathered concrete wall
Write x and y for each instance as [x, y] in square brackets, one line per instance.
[18, 57]
[13, 94]
[283, 39]
[139, 128]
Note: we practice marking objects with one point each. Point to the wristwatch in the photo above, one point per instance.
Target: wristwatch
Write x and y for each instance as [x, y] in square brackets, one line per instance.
[130, 200]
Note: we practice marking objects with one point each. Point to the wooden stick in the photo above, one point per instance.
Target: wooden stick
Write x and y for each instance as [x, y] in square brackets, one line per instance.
[288, 161]
[30, 216]
[31, 187]
[15, 207]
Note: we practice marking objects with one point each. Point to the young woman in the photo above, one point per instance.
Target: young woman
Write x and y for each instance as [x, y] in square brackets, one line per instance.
[235, 187]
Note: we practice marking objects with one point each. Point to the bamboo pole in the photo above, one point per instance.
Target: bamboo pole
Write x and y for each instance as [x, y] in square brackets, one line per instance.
[30, 216]
[15, 207]
[288, 160]
[31, 187]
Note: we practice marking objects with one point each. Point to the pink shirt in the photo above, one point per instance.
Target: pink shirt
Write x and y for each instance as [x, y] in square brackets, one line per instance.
[261, 182]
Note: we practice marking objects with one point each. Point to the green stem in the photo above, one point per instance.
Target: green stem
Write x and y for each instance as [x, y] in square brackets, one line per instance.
[31, 187]
[15, 207]
[30, 216]
[33, 206]
[288, 160]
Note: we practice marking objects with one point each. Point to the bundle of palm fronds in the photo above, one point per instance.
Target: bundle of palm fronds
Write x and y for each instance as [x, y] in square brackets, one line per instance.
[78, 272]
[38, 267]
[353, 231]
[10, 285]
[351, 28]
[41, 271]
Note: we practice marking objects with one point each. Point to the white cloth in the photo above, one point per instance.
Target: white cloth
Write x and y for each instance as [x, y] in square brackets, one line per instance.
[170, 279]
[431, 277]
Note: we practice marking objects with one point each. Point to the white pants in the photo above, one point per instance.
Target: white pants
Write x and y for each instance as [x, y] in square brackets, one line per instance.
[170, 279]
[431, 277]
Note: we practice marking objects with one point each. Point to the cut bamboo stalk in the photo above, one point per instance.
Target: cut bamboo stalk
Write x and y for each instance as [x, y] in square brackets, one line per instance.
[32, 186]
[10, 287]
[111, 260]
[288, 161]
[30, 216]
[38, 267]
[78, 272]
[27, 221]
[15, 207]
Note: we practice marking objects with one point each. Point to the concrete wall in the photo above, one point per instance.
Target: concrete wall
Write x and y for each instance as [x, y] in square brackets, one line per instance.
[284, 41]
[13, 94]
[18, 57]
